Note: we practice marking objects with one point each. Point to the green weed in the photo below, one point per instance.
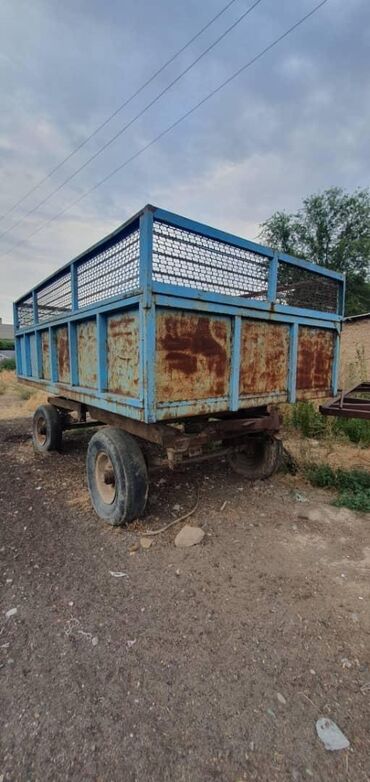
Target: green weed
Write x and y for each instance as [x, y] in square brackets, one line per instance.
[8, 364]
[306, 419]
[353, 486]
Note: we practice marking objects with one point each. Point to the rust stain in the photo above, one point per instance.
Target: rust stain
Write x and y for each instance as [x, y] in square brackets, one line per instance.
[45, 355]
[315, 358]
[264, 357]
[62, 346]
[123, 354]
[86, 350]
[192, 356]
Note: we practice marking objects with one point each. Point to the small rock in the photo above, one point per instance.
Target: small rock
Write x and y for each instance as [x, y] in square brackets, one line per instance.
[118, 574]
[281, 698]
[11, 612]
[331, 736]
[95, 640]
[346, 662]
[145, 542]
[354, 617]
[177, 506]
[189, 536]
[299, 497]
[134, 547]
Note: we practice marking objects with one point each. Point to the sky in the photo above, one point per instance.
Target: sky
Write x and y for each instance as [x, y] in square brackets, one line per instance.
[294, 123]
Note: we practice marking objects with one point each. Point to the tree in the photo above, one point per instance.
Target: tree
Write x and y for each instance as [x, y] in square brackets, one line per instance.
[332, 229]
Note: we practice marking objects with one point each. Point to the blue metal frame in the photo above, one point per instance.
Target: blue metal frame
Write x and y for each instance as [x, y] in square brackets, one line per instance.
[146, 299]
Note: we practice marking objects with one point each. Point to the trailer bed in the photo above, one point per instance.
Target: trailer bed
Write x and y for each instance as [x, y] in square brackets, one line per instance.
[167, 319]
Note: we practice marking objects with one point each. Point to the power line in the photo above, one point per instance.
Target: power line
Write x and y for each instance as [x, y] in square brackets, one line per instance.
[119, 108]
[173, 124]
[133, 120]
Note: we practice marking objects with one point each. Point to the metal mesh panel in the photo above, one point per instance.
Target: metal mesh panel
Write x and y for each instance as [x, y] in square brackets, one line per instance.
[184, 258]
[55, 299]
[299, 287]
[111, 272]
[25, 313]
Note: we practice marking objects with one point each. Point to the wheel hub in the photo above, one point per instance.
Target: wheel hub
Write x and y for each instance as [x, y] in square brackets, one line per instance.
[104, 477]
[41, 431]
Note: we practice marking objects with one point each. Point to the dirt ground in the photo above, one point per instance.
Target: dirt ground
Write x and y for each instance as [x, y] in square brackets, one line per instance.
[174, 672]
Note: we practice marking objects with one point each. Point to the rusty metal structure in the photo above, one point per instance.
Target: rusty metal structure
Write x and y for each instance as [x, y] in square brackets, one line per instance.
[182, 335]
[354, 403]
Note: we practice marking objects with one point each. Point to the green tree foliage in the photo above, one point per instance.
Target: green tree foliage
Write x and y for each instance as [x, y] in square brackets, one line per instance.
[333, 229]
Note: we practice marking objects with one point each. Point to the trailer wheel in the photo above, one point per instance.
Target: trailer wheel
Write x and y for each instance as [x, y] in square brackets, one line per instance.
[47, 429]
[257, 459]
[117, 476]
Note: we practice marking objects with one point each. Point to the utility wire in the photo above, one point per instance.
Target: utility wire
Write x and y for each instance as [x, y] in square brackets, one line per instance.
[119, 108]
[174, 124]
[133, 120]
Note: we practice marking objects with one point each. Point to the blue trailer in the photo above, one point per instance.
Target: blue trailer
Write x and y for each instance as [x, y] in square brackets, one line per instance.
[177, 333]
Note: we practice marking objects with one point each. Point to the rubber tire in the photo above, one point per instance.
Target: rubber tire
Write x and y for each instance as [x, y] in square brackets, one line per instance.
[258, 459]
[130, 474]
[54, 429]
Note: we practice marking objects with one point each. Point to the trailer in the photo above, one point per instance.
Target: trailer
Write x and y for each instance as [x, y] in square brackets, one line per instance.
[353, 403]
[175, 333]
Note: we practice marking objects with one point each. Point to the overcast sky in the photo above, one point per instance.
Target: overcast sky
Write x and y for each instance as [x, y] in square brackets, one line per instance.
[294, 123]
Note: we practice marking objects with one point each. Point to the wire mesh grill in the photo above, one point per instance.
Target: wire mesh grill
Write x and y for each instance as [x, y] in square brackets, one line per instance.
[55, 299]
[185, 258]
[111, 272]
[299, 287]
[25, 313]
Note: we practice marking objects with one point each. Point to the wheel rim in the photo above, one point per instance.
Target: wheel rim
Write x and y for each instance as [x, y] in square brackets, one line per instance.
[104, 478]
[41, 432]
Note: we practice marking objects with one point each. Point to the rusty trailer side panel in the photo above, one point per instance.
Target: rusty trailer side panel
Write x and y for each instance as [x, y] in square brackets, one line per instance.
[45, 356]
[86, 353]
[167, 318]
[123, 354]
[192, 356]
[62, 348]
[315, 359]
[264, 360]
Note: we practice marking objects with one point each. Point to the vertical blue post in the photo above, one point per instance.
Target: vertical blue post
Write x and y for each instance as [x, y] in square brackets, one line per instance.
[272, 279]
[147, 317]
[293, 354]
[342, 296]
[27, 348]
[235, 363]
[18, 356]
[146, 255]
[336, 361]
[18, 351]
[74, 287]
[35, 308]
[15, 317]
[73, 356]
[38, 352]
[53, 356]
[102, 351]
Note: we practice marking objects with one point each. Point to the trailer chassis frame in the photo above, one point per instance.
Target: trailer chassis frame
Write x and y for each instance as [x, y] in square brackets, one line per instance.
[231, 430]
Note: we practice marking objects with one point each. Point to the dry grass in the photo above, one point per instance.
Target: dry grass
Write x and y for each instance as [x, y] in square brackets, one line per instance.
[334, 452]
[17, 399]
